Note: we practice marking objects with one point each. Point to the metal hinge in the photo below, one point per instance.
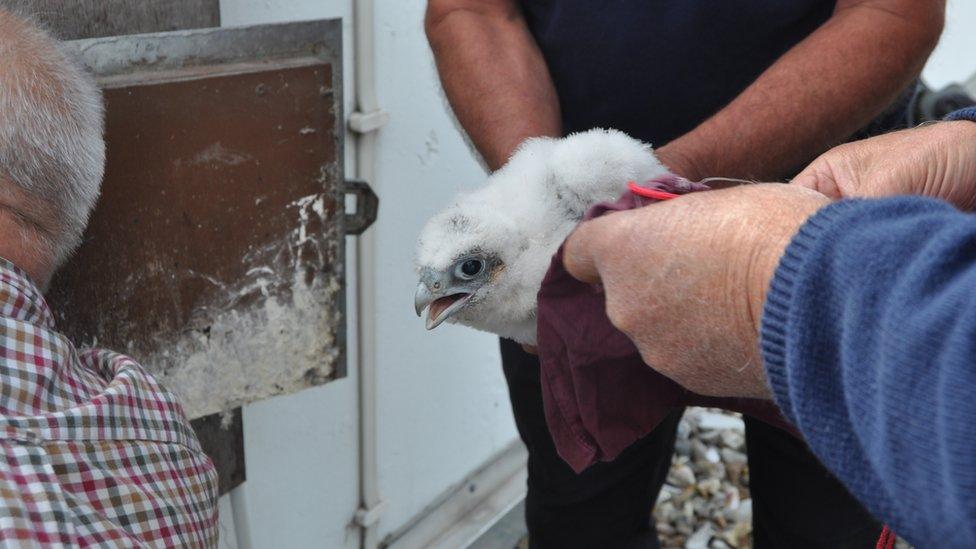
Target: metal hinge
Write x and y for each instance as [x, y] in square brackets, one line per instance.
[367, 206]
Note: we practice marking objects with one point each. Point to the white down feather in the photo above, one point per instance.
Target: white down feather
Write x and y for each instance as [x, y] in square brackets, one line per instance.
[523, 214]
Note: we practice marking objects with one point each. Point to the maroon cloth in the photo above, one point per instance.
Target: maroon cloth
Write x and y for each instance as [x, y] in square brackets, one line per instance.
[599, 396]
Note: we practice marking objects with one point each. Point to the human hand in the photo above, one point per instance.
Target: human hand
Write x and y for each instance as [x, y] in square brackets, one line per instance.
[938, 161]
[686, 279]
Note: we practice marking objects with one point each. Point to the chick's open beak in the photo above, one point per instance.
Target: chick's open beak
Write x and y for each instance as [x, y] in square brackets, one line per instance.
[440, 304]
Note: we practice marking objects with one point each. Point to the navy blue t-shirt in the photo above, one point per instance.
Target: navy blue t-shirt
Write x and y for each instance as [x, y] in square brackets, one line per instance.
[655, 68]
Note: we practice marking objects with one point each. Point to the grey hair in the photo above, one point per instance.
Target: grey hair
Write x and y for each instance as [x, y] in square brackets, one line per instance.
[51, 135]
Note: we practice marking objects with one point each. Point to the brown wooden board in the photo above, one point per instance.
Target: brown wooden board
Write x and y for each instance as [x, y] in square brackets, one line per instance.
[215, 253]
[222, 438]
[73, 19]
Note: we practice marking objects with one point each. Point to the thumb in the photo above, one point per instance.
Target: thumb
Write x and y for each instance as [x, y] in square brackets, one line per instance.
[579, 251]
[819, 176]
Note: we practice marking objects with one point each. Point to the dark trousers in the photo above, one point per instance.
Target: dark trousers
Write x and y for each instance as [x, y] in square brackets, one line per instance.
[796, 502]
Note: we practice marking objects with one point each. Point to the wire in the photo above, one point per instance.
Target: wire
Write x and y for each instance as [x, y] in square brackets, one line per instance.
[650, 193]
[727, 180]
[887, 539]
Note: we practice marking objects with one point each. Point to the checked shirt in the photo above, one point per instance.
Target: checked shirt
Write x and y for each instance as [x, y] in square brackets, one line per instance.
[92, 450]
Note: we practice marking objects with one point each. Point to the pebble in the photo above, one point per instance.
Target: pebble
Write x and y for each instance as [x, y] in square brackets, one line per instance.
[733, 457]
[705, 502]
[732, 439]
[744, 512]
[709, 420]
[682, 476]
[701, 538]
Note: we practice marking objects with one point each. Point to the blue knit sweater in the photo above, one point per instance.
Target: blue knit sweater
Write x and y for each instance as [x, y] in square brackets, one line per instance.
[869, 341]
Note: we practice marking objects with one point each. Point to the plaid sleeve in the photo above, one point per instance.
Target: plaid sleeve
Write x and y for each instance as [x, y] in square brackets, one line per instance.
[93, 451]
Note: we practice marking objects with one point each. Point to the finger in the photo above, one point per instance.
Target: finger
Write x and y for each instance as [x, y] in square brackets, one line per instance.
[807, 179]
[579, 251]
[531, 349]
[819, 177]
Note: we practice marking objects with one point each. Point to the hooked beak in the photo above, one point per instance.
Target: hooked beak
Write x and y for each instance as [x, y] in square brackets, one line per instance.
[422, 299]
[441, 306]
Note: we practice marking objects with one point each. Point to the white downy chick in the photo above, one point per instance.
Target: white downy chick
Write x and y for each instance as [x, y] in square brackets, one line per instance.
[481, 261]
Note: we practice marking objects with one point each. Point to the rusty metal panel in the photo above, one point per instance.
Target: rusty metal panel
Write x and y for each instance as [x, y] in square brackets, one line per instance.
[215, 254]
[75, 19]
[222, 438]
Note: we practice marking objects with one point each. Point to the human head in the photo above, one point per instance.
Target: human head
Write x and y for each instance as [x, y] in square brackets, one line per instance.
[52, 149]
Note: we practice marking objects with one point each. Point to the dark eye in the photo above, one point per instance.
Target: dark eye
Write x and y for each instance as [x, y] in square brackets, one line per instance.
[471, 268]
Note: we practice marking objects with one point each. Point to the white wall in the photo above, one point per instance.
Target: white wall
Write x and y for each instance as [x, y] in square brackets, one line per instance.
[443, 406]
[443, 402]
[954, 60]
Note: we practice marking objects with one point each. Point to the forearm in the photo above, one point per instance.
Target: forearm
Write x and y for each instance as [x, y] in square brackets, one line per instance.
[868, 337]
[493, 74]
[817, 94]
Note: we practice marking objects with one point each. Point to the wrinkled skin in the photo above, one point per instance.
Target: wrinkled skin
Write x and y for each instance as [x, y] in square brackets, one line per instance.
[706, 280]
[686, 279]
[937, 160]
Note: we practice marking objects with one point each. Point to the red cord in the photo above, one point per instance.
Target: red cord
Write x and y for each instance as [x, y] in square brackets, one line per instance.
[650, 193]
[887, 539]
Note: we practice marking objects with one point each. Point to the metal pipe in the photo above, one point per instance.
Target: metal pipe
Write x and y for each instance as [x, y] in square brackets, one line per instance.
[242, 522]
[365, 121]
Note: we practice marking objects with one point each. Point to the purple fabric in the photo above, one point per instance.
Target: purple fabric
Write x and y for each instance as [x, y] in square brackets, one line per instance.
[599, 396]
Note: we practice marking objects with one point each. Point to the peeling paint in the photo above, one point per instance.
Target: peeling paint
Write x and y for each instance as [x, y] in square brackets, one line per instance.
[288, 347]
[273, 332]
[217, 153]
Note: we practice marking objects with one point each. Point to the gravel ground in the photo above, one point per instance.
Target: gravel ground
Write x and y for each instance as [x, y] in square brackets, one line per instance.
[705, 501]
